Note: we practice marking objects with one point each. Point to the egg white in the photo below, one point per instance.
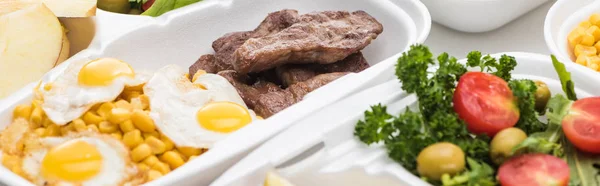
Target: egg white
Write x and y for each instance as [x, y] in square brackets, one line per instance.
[174, 102]
[68, 100]
[115, 169]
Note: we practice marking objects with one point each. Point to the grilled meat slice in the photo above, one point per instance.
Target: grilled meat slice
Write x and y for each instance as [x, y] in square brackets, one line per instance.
[321, 37]
[226, 45]
[293, 73]
[272, 102]
[249, 93]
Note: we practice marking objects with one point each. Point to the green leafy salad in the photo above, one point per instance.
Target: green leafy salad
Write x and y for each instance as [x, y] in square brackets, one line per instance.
[475, 125]
[152, 8]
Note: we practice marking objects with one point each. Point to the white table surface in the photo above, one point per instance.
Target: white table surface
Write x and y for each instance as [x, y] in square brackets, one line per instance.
[525, 34]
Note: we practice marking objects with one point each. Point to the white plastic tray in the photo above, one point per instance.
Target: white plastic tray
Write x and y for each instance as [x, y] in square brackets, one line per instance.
[322, 150]
[478, 15]
[561, 19]
[181, 36]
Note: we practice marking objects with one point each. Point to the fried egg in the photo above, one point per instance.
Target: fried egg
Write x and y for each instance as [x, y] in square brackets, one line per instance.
[195, 114]
[78, 159]
[84, 84]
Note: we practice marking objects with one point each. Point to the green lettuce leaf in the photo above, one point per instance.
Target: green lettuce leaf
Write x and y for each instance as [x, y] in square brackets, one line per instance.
[163, 6]
[565, 78]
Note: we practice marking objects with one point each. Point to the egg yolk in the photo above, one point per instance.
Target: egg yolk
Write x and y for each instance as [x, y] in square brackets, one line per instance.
[102, 72]
[75, 160]
[223, 117]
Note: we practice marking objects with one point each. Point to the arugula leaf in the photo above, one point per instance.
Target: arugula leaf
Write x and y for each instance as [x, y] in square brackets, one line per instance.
[479, 174]
[163, 6]
[584, 168]
[548, 140]
[565, 78]
[524, 90]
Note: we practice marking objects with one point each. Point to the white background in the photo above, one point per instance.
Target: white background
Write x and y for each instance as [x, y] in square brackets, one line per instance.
[525, 34]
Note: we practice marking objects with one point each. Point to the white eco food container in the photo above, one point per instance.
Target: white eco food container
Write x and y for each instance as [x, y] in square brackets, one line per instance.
[181, 36]
[478, 15]
[322, 149]
[562, 18]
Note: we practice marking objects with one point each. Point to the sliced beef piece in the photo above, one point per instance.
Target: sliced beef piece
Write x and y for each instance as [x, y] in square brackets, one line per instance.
[274, 22]
[321, 37]
[207, 63]
[293, 73]
[272, 102]
[249, 93]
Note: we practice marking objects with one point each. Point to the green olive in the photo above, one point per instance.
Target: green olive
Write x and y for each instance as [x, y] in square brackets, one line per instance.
[118, 6]
[440, 158]
[542, 95]
[504, 142]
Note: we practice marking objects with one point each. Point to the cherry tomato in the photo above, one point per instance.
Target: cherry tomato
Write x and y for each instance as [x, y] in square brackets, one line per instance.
[147, 5]
[582, 124]
[534, 170]
[485, 103]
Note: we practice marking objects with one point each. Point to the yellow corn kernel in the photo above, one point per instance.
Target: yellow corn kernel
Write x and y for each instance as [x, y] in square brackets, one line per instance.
[593, 63]
[260, 118]
[585, 50]
[107, 127]
[172, 158]
[124, 105]
[139, 88]
[145, 100]
[126, 126]
[157, 146]
[117, 135]
[192, 157]
[588, 39]
[65, 129]
[93, 128]
[104, 109]
[149, 134]
[40, 131]
[161, 167]
[92, 119]
[142, 121]
[141, 152]
[153, 175]
[47, 122]
[594, 31]
[37, 117]
[22, 111]
[168, 143]
[52, 130]
[130, 94]
[119, 115]
[189, 151]
[576, 36]
[36, 103]
[143, 167]
[585, 24]
[150, 160]
[582, 60]
[133, 138]
[595, 19]
[198, 74]
[79, 125]
[597, 46]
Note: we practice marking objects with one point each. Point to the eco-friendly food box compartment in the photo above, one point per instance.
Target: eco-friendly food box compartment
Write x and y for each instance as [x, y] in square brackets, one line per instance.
[562, 18]
[476, 15]
[181, 36]
[322, 149]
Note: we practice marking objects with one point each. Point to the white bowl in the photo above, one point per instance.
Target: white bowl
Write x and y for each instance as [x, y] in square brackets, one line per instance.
[322, 150]
[562, 18]
[180, 37]
[478, 15]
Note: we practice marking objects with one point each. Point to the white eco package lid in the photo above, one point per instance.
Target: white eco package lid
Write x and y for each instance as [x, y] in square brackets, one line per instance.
[322, 150]
[181, 36]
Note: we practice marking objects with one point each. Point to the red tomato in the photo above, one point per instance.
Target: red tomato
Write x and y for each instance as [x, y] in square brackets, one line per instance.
[582, 124]
[147, 5]
[485, 103]
[534, 170]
